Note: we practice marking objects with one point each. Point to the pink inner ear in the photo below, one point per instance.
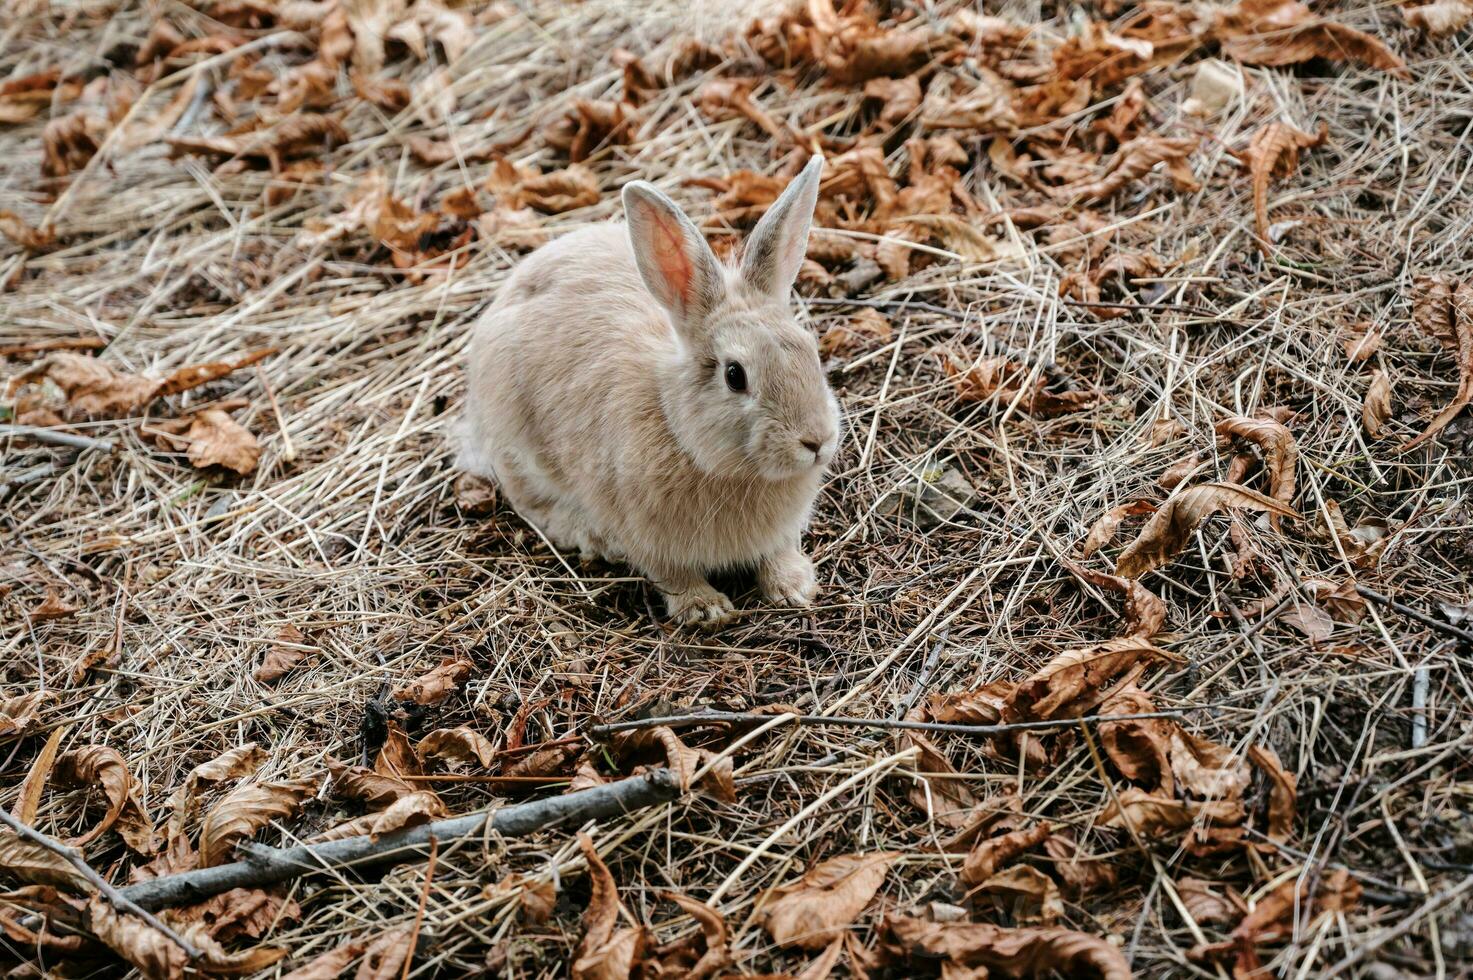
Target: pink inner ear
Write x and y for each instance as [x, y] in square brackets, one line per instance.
[670, 256]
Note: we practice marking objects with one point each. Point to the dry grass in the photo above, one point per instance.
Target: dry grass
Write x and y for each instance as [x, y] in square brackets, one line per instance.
[349, 530]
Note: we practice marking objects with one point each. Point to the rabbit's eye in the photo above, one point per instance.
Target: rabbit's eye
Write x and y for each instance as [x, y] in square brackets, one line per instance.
[736, 377]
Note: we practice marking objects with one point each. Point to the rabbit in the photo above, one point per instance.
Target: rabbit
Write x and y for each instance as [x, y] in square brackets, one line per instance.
[639, 400]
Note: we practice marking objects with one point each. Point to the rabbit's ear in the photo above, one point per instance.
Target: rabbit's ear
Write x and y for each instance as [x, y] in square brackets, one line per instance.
[775, 250]
[677, 265]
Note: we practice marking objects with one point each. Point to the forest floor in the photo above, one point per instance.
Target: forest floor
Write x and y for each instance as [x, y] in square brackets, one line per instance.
[1116, 446]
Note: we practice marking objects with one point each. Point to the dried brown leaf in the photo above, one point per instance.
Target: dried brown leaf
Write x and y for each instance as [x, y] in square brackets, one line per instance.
[605, 953]
[328, 965]
[1461, 303]
[31, 862]
[18, 715]
[1166, 533]
[1025, 883]
[1000, 378]
[1440, 18]
[1285, 32]
[1139, 747]
[289, 647]
[1273, 151]
[51, 607]
[243, 760]
[684, 761]
[245, 810]
[1205, 905]
[1023, 952]
[1076, 680]
[385, 957]
[98, 765]
[1102, 531]
[1131, 162]
[865, 330]
[947, 801]
[438, 684]
[1377, 407]
[994, 853]
[215, 439]
[15, 228]
[1282, 794]
[814, 910]
[157, 957]
[458, 744]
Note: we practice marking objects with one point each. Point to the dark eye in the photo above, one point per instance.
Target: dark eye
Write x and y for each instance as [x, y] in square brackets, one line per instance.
[736, 378]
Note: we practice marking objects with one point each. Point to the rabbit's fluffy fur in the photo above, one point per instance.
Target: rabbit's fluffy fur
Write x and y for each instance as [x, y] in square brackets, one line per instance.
[603, 401]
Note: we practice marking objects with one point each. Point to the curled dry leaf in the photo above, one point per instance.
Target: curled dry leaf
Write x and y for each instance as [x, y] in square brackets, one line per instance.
[98, 765]
[1280, 453]
[1102, 531]
[51, 607]
[605, 953]
[409, 810]
[1441, 18]
[248, 912]
[1154, 816]
[20, 714]
[1310, 620]
[1206, 769]
[947, 801]
[458, 744]
[328, 965]
[1205, 905]
[980, 104]
[215, 439]
[31, 862]
[1130, 163]
[1145, 613]
[385, 957]
[1179, 472]
[1277, 916]
[1433, 309]
[157, 957]
[301, 134]
[284, 652]
[1272, 152]
[898, 98]
[1027, 952]
[814, 910]
[243, 760]
[683, 958]
[850, 48]
[1360, 341]
[1080, 872]
[1139, 747]
[363, 784]
[1076, 680]
[1024, 883]
[1282, 793]
[994, 853]
[865, 330]
[1377, 407]
[553, 192]
[1166, 533]
[1461, 304]
[438, 684]
[982, 706]
[681, 758]
[1285, 32]
[245, 810]
[94, 389]
[1000, 378]
[15, 228]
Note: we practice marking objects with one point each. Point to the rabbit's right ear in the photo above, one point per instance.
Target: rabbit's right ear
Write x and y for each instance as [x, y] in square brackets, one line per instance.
[677, 265]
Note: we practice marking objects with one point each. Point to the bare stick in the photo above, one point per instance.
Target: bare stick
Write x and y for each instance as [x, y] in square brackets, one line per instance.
[119, 900]
[1416, 614]
[1420, 685]
[600, 731]
[55, 438]
[268, 866]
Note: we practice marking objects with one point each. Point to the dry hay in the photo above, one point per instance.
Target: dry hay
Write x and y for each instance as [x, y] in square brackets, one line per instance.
[1124, 352]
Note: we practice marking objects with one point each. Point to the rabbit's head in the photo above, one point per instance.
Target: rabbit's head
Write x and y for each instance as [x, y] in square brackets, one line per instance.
[746, 394]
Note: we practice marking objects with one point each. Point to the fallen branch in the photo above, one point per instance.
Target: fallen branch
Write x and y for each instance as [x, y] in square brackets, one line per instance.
[270, 866]
[703, 718]
[37, 434]
[1416, 614]
[119, 900]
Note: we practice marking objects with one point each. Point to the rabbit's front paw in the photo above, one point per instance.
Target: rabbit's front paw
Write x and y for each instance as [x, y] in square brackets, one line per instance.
[787, 579]
[699, 604]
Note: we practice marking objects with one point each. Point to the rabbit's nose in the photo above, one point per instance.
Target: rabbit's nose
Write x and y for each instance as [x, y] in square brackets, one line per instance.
[812, 445]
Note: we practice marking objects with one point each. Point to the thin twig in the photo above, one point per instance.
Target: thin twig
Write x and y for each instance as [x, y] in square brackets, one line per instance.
[704, 718]
[1416, 614]
[117, 898]
[51, 436]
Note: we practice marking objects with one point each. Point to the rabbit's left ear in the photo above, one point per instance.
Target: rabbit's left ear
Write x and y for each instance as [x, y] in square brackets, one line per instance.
[775, 251]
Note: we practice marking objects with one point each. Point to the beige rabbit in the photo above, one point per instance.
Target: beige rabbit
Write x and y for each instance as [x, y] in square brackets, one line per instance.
[637, 399]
